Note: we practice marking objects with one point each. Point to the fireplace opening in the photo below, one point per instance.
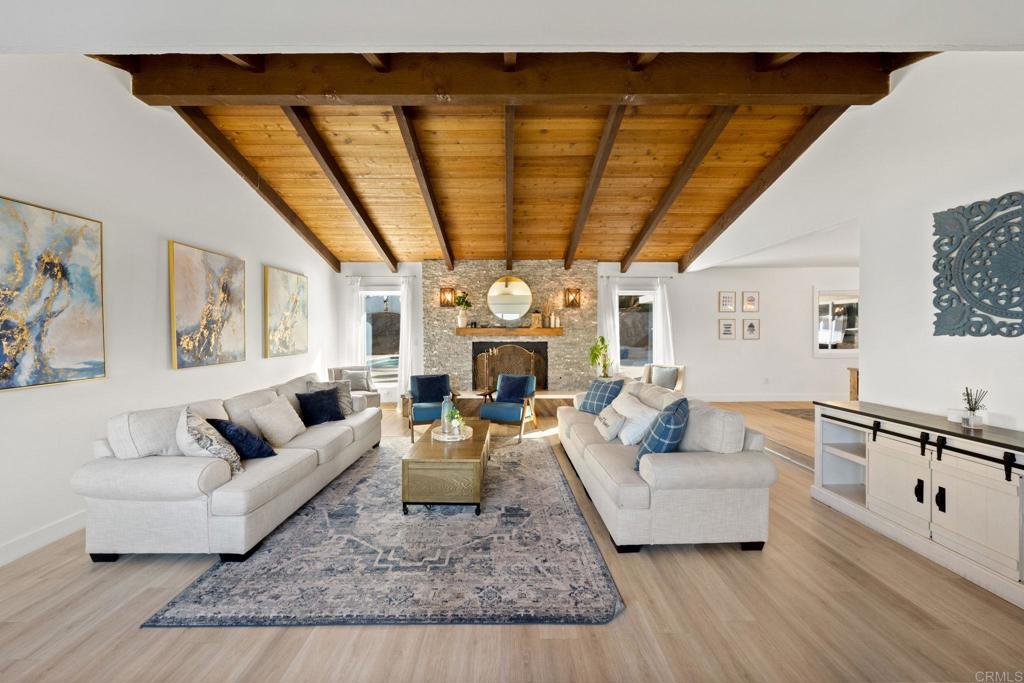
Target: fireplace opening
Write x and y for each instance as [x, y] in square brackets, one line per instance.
[491, 359]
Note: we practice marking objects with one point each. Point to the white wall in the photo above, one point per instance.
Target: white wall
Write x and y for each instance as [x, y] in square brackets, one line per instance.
[781, 365]
[73, 138]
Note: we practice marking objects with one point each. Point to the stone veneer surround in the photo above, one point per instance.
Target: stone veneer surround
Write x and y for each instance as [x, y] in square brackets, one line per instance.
[444, 351]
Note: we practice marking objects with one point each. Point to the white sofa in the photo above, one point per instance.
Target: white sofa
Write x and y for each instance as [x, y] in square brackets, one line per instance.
[715, 492]
[143, 496]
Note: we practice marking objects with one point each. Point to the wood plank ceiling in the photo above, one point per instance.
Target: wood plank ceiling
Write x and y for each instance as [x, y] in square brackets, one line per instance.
[400, 179]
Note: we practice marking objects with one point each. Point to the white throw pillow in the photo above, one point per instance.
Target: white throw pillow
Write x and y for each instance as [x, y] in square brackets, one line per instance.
[197, 437]
[639, 418]
[609, 422]
[278, 421]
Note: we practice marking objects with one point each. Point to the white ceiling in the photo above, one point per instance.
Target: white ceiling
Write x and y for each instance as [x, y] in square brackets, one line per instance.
[835, 246]
[268, 26]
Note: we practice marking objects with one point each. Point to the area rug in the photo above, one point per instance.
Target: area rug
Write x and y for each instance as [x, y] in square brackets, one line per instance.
[349, 556]
[802, 413]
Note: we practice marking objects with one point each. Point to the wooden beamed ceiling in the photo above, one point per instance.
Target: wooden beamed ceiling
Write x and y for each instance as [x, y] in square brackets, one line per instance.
[408, 157]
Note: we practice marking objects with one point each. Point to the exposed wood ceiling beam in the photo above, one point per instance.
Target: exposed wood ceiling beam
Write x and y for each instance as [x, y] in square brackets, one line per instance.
[252, 63]
[303, 124]
[380, 63]
[202, 125]
[470, 79]
[412, 145]
[510, 141]
[604, 150]
[509, 60]
[804, 138]
[129, 63]
[638, 61]
[769, 61]
[716, 123]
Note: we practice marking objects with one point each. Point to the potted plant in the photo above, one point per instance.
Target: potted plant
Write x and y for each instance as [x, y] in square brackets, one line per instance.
[464, 304]
[973, 402]
[599, 356]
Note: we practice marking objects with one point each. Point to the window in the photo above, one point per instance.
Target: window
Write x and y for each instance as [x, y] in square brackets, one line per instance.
[636, 328]
[837, 323]
[383, 326]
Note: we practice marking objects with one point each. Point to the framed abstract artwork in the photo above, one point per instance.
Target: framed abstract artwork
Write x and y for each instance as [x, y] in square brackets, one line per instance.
[285, 313]
[751, 302]
[727, 301]
[726, 328]
[51, 296]
[751, 328]
[207, 306]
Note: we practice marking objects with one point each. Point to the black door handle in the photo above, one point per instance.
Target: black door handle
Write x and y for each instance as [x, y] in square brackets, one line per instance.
[919, 491]
[940, 499]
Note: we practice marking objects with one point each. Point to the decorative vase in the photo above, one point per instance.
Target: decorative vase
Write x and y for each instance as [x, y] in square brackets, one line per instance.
[463, 319]
[446, 409]
[971, 420]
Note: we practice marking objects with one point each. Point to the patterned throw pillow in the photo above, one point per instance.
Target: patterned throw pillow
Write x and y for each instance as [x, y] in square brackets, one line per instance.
[197, 437]
[344, 388]
[319, 407]
[668, 430]
[600, 395]
[247, 444]
[360, 379]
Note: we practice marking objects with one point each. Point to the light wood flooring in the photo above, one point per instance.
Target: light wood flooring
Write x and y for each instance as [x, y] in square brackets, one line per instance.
[827, 600]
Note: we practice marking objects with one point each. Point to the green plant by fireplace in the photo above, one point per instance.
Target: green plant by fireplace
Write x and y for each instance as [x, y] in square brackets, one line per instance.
[462, 301]
[599, 355]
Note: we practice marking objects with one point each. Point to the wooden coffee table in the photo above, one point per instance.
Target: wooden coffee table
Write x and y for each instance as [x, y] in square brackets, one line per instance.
[446, 472]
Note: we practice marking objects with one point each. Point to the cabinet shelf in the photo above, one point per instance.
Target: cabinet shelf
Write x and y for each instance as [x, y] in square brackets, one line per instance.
[855, 493]
[854, 452]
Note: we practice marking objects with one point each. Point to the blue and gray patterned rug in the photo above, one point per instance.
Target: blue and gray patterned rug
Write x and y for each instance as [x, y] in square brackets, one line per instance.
[349, 556]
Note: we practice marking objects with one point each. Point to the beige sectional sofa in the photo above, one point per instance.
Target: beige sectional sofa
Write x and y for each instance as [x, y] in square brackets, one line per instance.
[143, 496]
[714, 492]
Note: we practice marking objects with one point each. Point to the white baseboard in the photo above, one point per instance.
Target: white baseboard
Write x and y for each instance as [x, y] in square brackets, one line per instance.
[737, 398]
[34, 540]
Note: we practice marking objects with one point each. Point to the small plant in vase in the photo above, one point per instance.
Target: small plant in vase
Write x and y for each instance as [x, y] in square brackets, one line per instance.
[599, 356]
[455, 420]
[464, 304]
[973, 402]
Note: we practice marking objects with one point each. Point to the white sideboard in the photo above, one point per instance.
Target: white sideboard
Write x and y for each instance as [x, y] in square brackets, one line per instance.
[950, 494]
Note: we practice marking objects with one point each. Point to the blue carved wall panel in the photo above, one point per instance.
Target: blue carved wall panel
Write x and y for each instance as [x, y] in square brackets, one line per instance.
[979, 268]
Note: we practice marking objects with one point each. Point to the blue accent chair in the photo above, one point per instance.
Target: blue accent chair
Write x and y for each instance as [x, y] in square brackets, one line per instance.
[422, 409]
[515, 409]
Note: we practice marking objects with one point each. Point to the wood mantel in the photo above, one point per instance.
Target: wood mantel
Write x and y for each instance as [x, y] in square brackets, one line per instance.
[509, 331]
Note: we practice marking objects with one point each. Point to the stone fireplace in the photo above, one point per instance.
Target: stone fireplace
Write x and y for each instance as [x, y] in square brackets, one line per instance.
[493, 358]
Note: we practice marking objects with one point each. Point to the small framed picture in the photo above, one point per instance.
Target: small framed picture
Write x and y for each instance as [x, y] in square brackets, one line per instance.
[752, 328]
[727, 302]
[726, 328]
[751, 302]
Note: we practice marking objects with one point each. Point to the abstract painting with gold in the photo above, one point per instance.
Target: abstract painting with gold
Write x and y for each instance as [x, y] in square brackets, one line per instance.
[285, 313]
[51, 296]
[207, 306]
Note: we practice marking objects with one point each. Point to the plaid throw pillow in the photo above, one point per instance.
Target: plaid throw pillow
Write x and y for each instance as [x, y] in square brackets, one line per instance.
[600, 395]
[667, 432]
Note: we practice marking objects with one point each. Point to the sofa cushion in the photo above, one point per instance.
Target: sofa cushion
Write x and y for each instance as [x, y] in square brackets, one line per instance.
[651, 395]
[262, 481]
[664, 376]
[600, 394]
[586, 434]
[639, 418]
[368, 399]
[278, 421]
[429, 388]
[667, 471]
[327, 439]
[501, 411]
[344, 393]
[318, 407]
[295, 386]
[197, 438]
[144, 432]
[153, 478]
[365, 423]
[611, 466]
[426, 412]
[569, 417]
[713, 430]
[239, 408]
[211, 409]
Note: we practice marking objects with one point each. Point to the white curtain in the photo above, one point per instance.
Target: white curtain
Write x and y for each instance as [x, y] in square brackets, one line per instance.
[353, 331]
[406, 342]
[608, 319]
[663, 350]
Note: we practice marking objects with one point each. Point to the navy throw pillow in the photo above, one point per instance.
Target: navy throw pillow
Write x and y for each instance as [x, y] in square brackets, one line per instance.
[512, 389]
[600, 394]
[247, 444]
[319, 407]
[431, 388]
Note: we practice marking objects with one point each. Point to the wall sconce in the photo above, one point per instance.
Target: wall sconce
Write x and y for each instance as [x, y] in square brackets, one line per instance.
[572, 298]
[447, 297]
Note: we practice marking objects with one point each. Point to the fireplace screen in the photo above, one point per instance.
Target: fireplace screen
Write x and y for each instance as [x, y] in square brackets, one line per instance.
[491, 359]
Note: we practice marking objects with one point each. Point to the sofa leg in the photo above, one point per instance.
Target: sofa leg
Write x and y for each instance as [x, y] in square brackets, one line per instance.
[752, 545]
[103, 557]
[626, 548]
[231, 557]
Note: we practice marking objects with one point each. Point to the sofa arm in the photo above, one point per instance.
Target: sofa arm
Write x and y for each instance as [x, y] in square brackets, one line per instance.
[745, 470]
[753, 440]
[157, 477]
[578, 399]
[358, 402]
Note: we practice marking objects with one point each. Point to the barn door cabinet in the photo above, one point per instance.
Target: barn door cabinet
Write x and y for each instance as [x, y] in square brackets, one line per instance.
[950, 494]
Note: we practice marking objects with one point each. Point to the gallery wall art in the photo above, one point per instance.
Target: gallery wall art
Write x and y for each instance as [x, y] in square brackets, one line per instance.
[207, 306]
[285, 313]
[979, 268]
[51, 296]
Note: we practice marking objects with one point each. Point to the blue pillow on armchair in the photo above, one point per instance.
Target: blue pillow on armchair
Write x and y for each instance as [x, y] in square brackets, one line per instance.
[431, 388]
[512, 388]
[247, 444]
[600, 394]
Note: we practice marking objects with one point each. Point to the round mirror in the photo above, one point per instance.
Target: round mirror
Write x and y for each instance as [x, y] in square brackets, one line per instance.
[509, 298]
